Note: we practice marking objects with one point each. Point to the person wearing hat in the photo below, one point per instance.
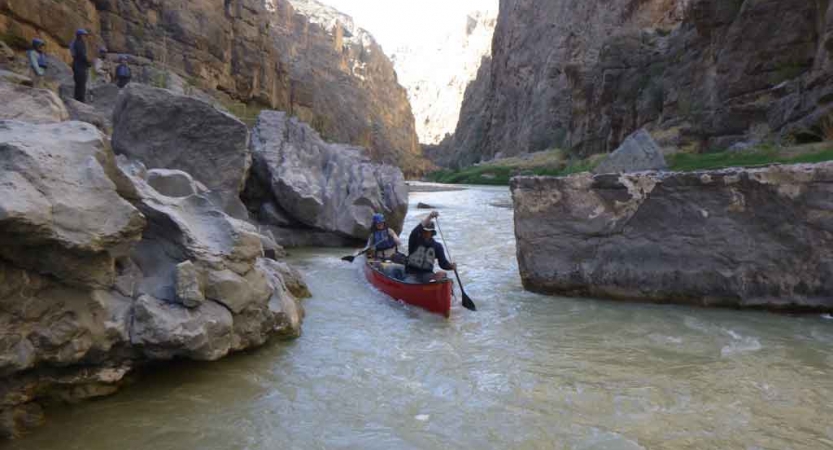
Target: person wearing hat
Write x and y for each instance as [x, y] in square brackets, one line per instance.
[123, 74]
[37, 59]
[383, 241]
[102, 66]
[80, 64]
[423, 250]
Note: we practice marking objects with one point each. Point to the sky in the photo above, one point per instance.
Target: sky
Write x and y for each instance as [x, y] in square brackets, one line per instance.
[399, 22]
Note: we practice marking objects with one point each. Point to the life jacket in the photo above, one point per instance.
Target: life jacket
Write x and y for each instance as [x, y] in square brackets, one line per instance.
[423, 258]
[122, 71]
[382, 240]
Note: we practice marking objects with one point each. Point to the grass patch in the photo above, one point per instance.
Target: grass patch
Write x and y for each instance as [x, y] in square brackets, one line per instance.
[554, 163]
[499, 172]
[761, 156]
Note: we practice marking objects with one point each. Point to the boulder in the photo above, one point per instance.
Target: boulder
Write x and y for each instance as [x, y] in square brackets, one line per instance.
[421, 205]
[704, 238]
[165, 330]
[56, 196]
[168, 131]
[188, 290]
[171, 183]
[329, 187]
[15, 78]
[638, 153]
[30, 104]
[83, 112]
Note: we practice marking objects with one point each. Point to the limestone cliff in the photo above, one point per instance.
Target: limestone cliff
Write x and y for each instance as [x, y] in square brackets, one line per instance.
[698, 74]
[260, 52]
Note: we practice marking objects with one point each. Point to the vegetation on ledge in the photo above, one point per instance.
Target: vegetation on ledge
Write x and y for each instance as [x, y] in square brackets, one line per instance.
[554, 163]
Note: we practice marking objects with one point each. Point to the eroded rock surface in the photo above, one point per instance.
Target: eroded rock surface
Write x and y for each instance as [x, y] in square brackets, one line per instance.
[164, 130]
[100, 272]
[331, 187]
[736, 237]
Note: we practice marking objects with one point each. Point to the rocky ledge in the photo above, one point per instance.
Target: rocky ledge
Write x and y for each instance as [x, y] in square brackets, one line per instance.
[758, 238]
[114, 257]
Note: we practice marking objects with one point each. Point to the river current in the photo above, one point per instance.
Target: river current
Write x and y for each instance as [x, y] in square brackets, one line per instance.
[523, 372]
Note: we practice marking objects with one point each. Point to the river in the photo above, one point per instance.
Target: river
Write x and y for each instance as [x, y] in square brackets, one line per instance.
[523, 372]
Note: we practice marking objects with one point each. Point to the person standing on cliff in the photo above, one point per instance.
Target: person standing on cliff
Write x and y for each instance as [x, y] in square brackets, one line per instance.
[37, 59]
[123, 74]
[102, 66]
[80, 64]
[423, 250]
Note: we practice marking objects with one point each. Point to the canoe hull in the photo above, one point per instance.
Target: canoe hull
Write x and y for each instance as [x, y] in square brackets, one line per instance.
[434, 297]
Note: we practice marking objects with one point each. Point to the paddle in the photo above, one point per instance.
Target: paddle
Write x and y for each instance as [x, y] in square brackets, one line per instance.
[350, 258]
[467, 303]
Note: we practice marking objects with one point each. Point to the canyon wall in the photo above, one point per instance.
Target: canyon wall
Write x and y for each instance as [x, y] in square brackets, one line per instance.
[700, 75]
[263, 53]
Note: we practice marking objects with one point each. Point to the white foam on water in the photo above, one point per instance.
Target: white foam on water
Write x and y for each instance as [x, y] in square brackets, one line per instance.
[741, 344]
[422, 417]
[827, 317]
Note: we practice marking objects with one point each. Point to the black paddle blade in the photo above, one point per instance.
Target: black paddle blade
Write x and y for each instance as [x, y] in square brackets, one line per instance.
[348, 258]
[467, 303]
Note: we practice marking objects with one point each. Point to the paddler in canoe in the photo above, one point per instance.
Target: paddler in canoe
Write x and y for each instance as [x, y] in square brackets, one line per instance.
[423, 250]
[383, 243]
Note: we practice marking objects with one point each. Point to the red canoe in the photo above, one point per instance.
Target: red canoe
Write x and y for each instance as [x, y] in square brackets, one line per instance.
[435, 296]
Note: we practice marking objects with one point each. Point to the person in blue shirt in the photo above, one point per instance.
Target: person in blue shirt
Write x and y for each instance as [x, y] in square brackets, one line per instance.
[123, 74]
[37, 59]
[423, 250]
[80, 64]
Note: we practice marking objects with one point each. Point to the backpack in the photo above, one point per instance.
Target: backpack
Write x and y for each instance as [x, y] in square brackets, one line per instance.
[122, 71]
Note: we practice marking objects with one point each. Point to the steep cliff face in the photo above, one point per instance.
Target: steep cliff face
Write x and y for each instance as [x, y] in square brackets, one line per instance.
[436, 70]
[699, 74]
[261, 52]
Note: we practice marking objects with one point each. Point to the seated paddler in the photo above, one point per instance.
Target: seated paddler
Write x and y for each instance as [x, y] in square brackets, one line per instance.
[383, 241]
[423, 250]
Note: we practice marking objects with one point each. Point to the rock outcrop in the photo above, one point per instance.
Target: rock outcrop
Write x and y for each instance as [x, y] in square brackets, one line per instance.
[100, 272]
[167, 131]
[298, 179]
[638, 153]
[30, 104]
[312, 62]
[698, 74]
[737, 237]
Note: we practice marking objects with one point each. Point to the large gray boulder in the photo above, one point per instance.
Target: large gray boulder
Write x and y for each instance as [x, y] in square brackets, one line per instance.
[168, 131]
[101, 272]
[56, 196]
[30, 104]
[639, 152]
[735, 237]
[329, 187]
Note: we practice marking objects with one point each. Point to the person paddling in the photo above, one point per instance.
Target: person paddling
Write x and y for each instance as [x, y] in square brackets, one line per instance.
[423, 250]
[383, 241]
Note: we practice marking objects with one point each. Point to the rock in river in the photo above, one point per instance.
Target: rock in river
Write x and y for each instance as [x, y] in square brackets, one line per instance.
[736, 237]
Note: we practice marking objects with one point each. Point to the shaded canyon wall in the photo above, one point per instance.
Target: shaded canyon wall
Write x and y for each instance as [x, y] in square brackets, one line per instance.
[700, 75]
